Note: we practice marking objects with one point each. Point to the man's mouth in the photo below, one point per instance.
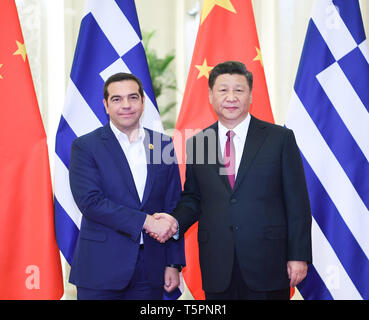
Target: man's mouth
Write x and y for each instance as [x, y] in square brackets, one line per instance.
[230, 108]
[126, 114]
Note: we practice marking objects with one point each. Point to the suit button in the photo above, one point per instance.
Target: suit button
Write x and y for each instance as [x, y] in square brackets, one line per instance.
[232, 228]
[233, 200]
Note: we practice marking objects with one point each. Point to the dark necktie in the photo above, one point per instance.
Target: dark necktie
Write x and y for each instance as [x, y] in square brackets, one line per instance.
[230, 158]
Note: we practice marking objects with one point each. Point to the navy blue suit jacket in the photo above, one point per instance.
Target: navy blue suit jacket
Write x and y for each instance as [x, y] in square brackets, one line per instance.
[112, 213]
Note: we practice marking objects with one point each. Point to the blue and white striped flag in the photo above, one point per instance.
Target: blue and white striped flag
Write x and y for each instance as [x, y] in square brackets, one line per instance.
[329, 116]
[109, 41]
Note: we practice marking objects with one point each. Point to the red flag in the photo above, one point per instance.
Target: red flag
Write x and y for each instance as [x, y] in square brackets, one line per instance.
[30, 265]
[227, 31]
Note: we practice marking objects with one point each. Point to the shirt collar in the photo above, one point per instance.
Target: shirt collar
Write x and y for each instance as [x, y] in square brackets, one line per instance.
[122, 137]
[240, 130]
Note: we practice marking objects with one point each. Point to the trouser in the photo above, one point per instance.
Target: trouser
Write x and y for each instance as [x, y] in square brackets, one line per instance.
[238, 289]
[138, 289]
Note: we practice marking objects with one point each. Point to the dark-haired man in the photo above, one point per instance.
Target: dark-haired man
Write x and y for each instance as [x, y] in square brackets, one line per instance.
[117, 186]
[245, 185]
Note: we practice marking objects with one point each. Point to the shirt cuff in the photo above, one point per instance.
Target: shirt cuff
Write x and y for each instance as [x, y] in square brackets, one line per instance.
[176, 235]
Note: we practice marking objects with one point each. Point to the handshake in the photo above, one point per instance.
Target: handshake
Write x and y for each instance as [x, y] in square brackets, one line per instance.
[160, 226]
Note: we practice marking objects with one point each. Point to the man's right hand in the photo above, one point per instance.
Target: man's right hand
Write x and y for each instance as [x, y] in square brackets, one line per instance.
[161, 226]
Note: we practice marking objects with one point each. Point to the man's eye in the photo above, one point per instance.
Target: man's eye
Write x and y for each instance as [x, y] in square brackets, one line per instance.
[133, 98]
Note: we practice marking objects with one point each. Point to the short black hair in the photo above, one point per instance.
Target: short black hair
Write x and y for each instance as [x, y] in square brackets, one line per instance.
[121, 76]
[230, 67]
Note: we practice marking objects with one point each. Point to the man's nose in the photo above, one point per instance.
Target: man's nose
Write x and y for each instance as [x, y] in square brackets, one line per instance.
[125, 103]
[231, 96]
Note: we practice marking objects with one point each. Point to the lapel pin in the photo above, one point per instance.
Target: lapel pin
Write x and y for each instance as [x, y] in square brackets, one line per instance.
[151, 146]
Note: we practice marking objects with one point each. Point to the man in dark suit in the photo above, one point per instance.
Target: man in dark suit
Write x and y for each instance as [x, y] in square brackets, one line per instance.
[118, 180]
[245, 185]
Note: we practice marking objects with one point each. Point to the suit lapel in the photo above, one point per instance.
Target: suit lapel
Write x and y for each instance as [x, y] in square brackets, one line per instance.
[254, 140]
[150, 148]
[120, 159]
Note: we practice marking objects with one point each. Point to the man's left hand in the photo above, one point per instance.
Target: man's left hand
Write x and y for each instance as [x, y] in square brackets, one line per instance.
[171, 279]
[297, 271]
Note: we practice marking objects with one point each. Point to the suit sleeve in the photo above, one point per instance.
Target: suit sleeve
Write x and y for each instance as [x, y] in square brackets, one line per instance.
[188, 209]
[86, 187]
[174, 248]
[297, 202]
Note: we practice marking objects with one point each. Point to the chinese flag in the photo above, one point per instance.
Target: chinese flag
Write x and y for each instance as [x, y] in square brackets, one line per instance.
[30, 265]
[227, 31]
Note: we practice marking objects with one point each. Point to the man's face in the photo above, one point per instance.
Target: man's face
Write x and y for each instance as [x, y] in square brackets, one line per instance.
[124, 105]
[231, 99]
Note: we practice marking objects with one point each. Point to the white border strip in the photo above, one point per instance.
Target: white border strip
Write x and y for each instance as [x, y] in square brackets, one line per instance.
[330, 268]
[332, 28]
[78, 113]
[347, 103]
[329, 172]
[114, 24]
[63, 193]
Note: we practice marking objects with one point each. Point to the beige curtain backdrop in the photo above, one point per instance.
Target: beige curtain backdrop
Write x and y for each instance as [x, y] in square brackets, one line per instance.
[50, 29]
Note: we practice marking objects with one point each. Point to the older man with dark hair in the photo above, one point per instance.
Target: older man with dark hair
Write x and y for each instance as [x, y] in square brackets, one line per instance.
[252, 205]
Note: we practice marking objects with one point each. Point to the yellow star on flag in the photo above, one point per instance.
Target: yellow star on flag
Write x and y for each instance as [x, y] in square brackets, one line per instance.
[204, 69]
[21, 50]
[1, 77]
[210, 4]
[258, 56]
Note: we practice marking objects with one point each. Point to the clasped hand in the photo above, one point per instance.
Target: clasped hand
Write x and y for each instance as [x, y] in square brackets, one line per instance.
[160, 226]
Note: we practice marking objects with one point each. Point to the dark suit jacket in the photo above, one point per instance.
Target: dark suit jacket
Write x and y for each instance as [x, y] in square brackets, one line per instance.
[265, 219]
[113, 215]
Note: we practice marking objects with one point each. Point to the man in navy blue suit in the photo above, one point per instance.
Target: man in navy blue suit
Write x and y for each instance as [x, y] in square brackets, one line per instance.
[118, 179]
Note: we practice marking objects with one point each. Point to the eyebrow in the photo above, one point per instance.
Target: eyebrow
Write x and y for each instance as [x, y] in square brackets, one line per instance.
[222, 85]
[128, 95]
[115, 96]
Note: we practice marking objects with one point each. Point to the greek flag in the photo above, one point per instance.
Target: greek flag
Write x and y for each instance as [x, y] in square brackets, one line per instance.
[109, 41]
[329, 116]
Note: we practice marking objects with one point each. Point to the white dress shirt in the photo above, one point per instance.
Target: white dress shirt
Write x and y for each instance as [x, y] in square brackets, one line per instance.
[239, 139]
[136, 157]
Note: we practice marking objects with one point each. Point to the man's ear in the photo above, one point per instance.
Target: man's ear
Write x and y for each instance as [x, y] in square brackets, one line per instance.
[211, 96]
[106, 106]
